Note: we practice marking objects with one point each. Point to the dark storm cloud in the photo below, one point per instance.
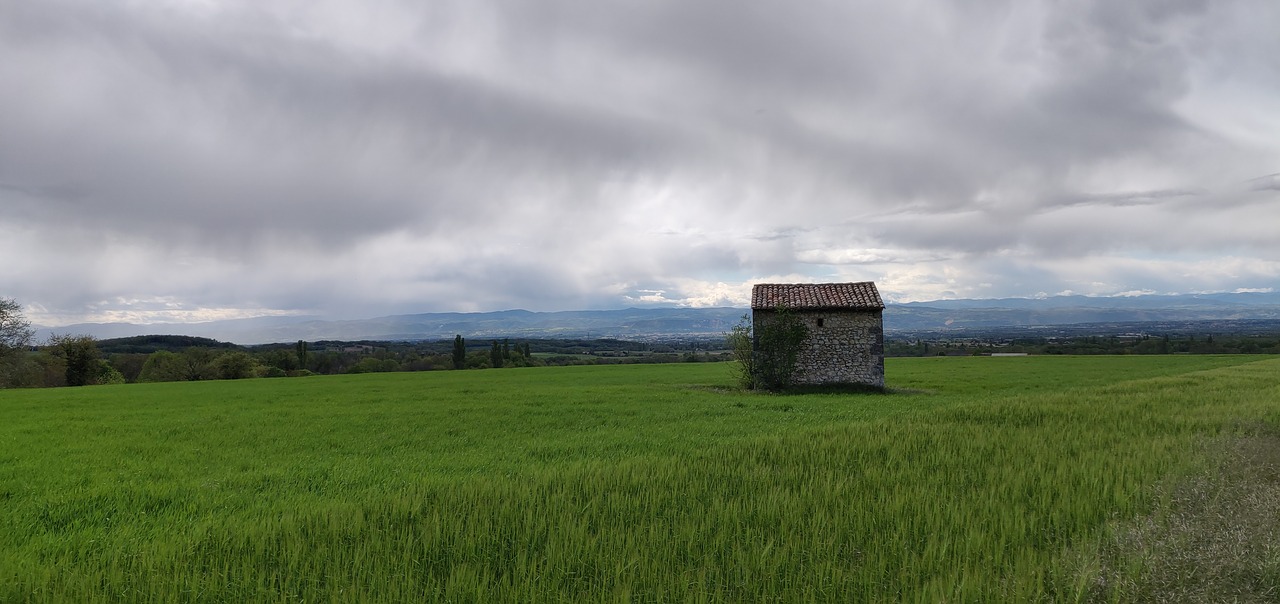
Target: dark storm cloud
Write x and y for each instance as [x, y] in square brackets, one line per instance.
[476, 155]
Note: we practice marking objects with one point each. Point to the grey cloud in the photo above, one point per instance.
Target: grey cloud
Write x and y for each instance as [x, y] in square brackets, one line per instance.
[1270, 182]
[780, 234]
[482, 154]
[1130, 198]
[291, 136]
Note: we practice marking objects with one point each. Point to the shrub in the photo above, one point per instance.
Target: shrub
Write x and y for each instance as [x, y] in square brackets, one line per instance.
[163, 366]
[776, 350]
[235, 365]
[739, 341]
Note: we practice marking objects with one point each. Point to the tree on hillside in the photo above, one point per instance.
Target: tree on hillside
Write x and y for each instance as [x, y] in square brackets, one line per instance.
[301, 350]
[128, 364]
[15, 335]
[495, 355]
[281, 359]
[199, 363]
[84, 364]
[163, 366]
[15, 329]
[235, 365]
[459, 352]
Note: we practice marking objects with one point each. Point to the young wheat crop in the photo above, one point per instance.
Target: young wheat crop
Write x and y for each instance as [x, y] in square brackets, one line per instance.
[972, 480]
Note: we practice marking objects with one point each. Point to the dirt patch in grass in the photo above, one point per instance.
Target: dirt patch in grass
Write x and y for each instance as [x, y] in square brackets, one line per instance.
[1214, 537]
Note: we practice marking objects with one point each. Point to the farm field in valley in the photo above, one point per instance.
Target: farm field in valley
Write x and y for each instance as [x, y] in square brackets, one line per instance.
[974, 479]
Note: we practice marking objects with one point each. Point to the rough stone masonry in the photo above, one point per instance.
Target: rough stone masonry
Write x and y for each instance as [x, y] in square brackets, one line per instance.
[846, 329]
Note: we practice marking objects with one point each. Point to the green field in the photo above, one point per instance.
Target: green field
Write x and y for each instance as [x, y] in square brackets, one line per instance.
[974, 479]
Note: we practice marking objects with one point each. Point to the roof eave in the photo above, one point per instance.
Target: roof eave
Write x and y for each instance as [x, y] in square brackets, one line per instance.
[817, 308]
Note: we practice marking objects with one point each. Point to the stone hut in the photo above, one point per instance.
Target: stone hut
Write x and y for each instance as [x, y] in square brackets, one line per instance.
[846, 329]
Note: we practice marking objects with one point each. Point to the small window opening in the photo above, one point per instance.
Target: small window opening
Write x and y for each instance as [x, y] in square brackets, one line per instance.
[820, 321]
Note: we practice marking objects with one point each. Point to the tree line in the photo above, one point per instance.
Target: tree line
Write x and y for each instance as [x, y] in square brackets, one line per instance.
[78, 360]
[1208, 343]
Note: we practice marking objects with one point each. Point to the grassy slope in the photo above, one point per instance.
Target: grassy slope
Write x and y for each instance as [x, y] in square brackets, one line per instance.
[650, 483]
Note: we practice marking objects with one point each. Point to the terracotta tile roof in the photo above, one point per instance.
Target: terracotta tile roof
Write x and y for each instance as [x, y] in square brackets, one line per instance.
[815, 296]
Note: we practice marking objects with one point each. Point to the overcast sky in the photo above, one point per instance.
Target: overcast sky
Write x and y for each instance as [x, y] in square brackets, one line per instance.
[190, 160]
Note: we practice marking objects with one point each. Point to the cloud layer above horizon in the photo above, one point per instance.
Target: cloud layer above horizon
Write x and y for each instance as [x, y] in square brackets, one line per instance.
[191, 160]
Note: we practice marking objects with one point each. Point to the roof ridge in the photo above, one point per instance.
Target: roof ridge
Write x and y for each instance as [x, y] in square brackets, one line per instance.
[861, 295]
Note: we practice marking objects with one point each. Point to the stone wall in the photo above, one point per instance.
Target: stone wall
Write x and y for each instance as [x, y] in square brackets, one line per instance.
[844, 346]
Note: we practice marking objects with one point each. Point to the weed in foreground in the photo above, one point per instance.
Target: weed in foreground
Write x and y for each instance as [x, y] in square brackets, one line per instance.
[1213, 536]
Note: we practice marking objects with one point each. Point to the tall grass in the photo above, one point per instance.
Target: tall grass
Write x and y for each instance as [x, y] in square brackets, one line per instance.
[977, 480]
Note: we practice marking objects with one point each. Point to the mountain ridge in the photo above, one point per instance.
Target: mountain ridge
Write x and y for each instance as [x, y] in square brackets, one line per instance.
[684, 322]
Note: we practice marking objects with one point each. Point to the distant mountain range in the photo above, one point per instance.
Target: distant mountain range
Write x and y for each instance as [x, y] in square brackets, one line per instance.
[676, 323]
[1073, 310]
[631, 323]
